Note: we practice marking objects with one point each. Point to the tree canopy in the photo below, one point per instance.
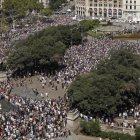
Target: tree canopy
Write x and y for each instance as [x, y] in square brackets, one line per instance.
[115, 84]
[46, 12]
[19, 8]
[56, 4]
[44, 48]
[89, 24]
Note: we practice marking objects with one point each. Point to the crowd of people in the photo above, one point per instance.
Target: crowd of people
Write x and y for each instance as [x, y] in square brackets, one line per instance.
[47, 119]
[128, 31]
[21, 33]
[81, 59]
[42, 118]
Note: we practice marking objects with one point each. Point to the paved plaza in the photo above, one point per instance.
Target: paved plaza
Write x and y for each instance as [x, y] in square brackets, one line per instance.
[22, 91]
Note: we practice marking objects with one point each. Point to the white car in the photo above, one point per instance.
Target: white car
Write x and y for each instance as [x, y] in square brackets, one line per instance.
[129, 21]
[79, 20]
[123, 21]
[73, 18]
[116, 20]
[94, 18]
[27, 25]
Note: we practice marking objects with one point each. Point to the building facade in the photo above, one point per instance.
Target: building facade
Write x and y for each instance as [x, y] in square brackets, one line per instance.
[44, 2]
[131, 9]
[1, 1]
[108, 8]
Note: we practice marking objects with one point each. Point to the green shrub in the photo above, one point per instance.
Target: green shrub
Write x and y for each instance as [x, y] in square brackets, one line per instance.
[137, 131]
[117, 136]
[110, 135]
[95, 128]
[109, 23]
[91, 128]
[104, 24]
[104, 135]
[85, 127]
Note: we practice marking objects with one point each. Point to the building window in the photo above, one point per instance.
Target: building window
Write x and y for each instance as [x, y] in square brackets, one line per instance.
[100, 5]
[126, 1]
[130, 7]
[135, 7]
[130, 1]
[95, 3]
[126, 7]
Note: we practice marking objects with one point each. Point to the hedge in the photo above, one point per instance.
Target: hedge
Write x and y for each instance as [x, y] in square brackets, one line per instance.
[93, 129]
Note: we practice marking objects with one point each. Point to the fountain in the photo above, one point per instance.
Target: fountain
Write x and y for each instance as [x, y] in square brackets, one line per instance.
[110, 29]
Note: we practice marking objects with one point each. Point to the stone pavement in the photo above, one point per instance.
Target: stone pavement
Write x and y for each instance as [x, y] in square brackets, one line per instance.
[3, 76]
[22, 91]
[81, 137]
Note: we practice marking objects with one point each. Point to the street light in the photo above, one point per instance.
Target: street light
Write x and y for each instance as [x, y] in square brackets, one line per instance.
[71, 35]
[92, 35]
[82, 34]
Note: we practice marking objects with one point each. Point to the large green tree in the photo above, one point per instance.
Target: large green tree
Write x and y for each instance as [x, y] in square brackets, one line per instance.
[56, 4]
[46, 12]
[114, 84]
[88, 24]
[43, 49]
[19, 8]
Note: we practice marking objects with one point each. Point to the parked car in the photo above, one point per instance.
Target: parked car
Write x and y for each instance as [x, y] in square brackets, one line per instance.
[113, 18]
[56, 13]
[26, 25]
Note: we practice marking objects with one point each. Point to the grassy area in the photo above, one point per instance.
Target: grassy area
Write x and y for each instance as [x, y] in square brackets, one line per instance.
[97, 26]
[90, 33]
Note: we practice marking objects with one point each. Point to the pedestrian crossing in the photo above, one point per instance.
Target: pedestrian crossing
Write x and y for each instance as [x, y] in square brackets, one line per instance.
[73, 137]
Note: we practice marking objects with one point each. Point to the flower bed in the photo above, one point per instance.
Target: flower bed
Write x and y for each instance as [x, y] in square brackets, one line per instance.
[128, 36]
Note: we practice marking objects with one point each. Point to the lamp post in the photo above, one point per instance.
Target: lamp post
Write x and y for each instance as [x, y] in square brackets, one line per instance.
[20, 71]
[82, 34]
[72, 36]
[92, 35]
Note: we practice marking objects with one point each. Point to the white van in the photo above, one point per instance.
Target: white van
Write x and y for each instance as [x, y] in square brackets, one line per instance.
[74, 18]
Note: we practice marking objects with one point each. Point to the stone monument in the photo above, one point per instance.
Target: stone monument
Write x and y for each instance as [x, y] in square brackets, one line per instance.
[73, 120]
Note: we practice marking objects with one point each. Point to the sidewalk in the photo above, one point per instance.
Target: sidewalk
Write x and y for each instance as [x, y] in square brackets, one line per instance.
[81, 137]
